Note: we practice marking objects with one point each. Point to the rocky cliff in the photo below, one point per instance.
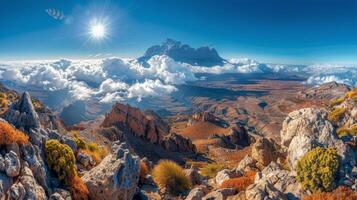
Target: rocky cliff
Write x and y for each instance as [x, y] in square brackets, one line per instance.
[147, 126]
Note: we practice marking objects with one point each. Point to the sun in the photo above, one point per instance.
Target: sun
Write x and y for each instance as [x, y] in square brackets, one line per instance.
[97, 31]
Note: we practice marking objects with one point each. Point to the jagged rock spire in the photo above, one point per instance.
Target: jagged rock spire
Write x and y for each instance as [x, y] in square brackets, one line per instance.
[22, 114]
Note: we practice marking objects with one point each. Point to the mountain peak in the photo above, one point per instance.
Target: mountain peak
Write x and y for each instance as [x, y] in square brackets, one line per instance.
[202, 56]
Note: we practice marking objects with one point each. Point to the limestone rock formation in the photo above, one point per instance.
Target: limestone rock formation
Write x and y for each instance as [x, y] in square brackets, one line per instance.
[148, 126]
[263, 190]
[12, 164]
[307, 128]
[265, 151]
[22, 114]
[116, 177]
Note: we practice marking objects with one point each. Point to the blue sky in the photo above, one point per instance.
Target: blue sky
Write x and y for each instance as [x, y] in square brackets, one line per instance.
[280, 31]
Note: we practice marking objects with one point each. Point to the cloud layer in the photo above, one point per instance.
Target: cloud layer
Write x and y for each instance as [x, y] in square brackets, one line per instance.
[114, 79]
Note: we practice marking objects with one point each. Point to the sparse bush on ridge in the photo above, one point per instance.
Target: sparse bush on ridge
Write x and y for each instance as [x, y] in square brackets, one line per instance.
[169, 175]
[211, 169]
[335, 114]
[60, 158]
[317, 169]
[92, 149]
[337, 101]
[11, 135]
[341, 193]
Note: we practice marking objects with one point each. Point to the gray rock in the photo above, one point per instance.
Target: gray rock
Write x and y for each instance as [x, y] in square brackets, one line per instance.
[197, 193]
[68, 140]
[22, 114]
[246, 164]
[17, 192]
[5, 184]
[220, 194]
[12, 164]
[2, 164]
[116, 177]
[225, 175]
[263, 190]
[85, 159]
[33, 189]
[56, 196]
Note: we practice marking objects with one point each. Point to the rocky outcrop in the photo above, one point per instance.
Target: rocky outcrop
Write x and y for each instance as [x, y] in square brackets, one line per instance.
[220, 194]
[247, 164]
[226, 174]
[308, 128]
[325, 91]
[197, 193]
[22, 114]
[194, 175]
[12, 164]
[206, 117]
[263, 190]
[32, 188]
[116, 177]
[265, 151]
[147, 126]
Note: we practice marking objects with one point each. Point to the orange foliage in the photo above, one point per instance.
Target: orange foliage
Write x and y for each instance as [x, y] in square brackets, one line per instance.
[78, 189]
[250, 174]
[240, 183]
[95, 155]
[341, 193]
[11, 135]
[144, 170]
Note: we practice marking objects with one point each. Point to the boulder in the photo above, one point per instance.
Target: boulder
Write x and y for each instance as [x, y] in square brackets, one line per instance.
[220, 194]
[283, 180]
[308, 128]
[264, 151]
[197, 193]
[12, 164]
[246, 164]
[194, 176]
[85, 159]
[32, 188]
[68, 140]
[5, 184]
[116, 177]
[56, 196]
[263, 190]
[17, 191]
[225, 175]
[22, 114]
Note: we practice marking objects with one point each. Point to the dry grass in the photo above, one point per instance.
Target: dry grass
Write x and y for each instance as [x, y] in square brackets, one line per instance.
[341, 193]
[203, 130]
[144, 171]
[169, 175]
[240, 183]
[336, 114]
[11, 135]
[211, 169]
[78, 189]
[204, 144]
[230, 157]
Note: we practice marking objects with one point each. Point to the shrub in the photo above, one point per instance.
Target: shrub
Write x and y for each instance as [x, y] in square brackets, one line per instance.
[337, 101]
[240, 183]
[341, 193]
[317, 169]
[171, 176]
[250, 174]
[351, 94]
[80, 143]
[11, 135]
[78, 189]
[352, 131]
[144, 171]
[211, 169]
[92, 149]
[336, 114]
[61, 160]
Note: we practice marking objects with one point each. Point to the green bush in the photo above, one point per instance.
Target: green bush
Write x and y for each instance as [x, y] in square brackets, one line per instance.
[61, 160]
[80, 143]
[171, 176]
[317, 169]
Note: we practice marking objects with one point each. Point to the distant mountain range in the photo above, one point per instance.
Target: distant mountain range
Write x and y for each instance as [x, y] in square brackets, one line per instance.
[202, 56]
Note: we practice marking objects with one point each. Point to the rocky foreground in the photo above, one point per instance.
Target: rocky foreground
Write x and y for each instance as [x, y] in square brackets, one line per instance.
[144, 158]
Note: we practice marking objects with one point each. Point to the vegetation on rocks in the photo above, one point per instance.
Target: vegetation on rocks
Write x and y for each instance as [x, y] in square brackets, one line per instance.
[92, 149]
[60, 159]
[240, 183]
[211, 169]
[337, 101]
[170, 176]
[351, 131]
[335, 114]
[317, 169]
[340, 193]
[11, 135]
